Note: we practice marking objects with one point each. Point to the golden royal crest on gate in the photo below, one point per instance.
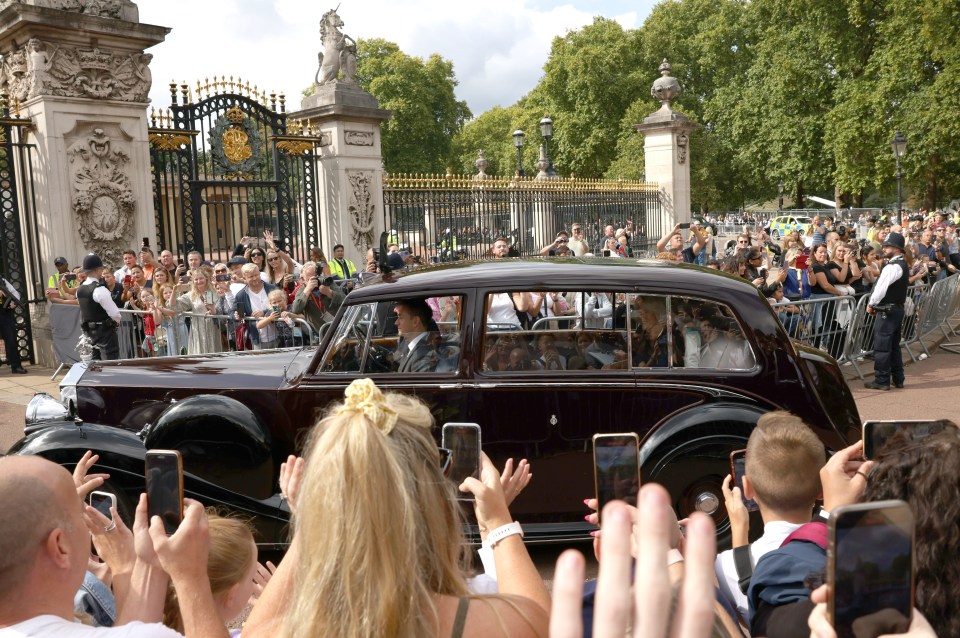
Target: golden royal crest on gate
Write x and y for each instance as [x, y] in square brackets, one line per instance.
[235, 145]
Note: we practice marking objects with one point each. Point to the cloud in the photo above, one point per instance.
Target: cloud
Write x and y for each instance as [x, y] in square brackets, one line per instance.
[498, 47]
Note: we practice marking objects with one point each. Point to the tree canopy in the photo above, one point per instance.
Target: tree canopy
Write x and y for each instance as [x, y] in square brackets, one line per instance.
[808, 92]
[427, 115]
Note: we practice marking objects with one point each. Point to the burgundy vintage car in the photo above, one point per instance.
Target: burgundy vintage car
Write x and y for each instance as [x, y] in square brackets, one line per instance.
[686, 357]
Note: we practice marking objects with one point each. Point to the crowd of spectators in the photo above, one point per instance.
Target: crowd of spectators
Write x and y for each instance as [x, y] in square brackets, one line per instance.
[171, 307]
[378, 545]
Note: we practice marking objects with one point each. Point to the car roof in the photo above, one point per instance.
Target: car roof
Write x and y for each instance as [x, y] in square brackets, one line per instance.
[558, 273]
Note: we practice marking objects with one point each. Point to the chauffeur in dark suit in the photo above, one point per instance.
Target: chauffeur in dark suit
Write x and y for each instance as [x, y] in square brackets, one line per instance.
[415, 322]
[9, 300]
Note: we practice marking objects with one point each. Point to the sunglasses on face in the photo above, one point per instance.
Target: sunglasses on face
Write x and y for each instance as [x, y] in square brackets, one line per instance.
[256, 255]
[576, 230]
[740, 241]
[562, 241]
[273, 259]
[220, 272]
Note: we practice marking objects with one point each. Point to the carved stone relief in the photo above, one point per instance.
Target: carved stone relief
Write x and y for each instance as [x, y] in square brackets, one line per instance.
[120, 9]
[103, 199]
[683, 140]
[43, 68]
[362, 208]
[358, 138]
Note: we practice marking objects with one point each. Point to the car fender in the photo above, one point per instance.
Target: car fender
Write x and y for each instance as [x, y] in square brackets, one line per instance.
[701, 419]
[65, 442]
[220, 439]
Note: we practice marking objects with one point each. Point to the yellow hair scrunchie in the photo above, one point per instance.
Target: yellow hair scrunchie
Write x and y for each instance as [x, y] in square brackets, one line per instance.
[365, 397]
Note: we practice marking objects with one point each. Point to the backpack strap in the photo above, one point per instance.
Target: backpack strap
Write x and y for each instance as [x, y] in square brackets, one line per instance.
[815, 532]
[743, 563]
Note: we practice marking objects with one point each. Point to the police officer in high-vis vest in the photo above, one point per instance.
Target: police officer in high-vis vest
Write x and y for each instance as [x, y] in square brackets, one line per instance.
[99, 316]
[886, 302]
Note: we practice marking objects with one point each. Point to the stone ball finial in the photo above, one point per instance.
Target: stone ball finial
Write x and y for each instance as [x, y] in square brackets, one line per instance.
[481, 165]
[666, 88]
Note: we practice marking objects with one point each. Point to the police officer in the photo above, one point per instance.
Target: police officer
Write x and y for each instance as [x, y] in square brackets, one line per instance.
[99, 316]
[9, 300]
[886, 302]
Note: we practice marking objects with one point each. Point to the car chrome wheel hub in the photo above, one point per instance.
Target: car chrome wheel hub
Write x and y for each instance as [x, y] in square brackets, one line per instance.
[708, 503]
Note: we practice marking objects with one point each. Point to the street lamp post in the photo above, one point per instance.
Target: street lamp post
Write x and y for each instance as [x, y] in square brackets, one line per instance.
[780, 197]
[546, 131]
[518, 142]
[899, 145]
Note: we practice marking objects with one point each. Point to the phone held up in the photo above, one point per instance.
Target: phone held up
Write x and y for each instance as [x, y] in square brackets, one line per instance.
[870, 569]
[102, 502]
[164, 474]
[222, 278]
[738, 467]
[463, 441]
[616, 468]
[683, 226]
[876, 434]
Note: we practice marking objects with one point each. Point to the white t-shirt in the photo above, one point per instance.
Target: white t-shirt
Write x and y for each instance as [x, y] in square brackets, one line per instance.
[502, 310]
[49, 626]
[259, 301]
[774, 533]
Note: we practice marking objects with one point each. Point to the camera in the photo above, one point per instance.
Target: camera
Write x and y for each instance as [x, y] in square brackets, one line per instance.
[326, 281]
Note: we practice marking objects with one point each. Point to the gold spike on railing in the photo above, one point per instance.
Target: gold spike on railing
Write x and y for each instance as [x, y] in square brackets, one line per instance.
[153, 117]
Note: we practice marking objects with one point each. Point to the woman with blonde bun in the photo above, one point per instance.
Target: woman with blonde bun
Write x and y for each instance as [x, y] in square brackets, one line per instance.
[378, 547]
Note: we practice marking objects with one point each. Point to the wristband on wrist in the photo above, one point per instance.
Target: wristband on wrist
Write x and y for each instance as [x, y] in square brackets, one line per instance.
[502, 532]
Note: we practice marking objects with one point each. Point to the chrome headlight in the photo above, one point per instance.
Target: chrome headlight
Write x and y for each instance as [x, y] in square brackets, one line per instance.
[68, 386]
[43, 407]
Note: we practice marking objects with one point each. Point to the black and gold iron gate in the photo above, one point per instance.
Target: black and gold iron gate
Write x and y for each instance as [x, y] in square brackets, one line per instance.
[19, 227]
[228, 162]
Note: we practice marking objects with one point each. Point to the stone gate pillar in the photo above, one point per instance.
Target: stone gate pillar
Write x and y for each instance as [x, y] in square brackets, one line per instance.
[81, 75]
[666, 151]
[78, 72]
[351, 161]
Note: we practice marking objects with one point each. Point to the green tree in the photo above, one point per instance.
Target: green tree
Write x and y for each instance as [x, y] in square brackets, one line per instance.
[590, 79]
[426, 113]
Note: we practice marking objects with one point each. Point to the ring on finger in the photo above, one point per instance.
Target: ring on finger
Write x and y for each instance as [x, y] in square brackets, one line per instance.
[112, 526]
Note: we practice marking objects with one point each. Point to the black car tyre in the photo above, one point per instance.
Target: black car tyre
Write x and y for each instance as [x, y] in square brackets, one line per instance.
[693, 472]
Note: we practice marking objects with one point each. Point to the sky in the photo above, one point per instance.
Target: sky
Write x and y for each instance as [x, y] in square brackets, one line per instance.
[498, 47]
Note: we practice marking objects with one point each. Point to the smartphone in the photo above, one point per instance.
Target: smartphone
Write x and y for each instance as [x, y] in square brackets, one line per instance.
[276, 308]
[870, 568]
[102, 502]
[70, 277]
[738, 467]
[145, 242]
[683, 226]
[164, 473]
[463, 441]
[876, 434]
[126, 280]
[185, 279]
[616, 468]
[606, 253]
[222, 278]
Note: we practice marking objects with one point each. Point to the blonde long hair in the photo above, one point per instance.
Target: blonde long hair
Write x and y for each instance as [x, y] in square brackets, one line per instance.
[229, 561]
[379, 525]
[195, 292]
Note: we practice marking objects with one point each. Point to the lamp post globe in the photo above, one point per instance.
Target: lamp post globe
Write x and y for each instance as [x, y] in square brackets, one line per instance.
[546, 131]
[518, 142]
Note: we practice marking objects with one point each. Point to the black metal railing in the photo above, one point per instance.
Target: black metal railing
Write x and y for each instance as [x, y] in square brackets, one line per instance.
[448, 217]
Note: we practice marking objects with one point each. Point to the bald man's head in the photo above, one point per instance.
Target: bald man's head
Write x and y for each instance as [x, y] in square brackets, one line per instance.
[36, 497]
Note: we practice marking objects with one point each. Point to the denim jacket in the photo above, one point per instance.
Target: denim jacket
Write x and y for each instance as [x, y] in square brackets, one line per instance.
[95, 599]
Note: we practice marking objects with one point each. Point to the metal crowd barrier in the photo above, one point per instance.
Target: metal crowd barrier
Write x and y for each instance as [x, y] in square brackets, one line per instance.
[192, 333]
[842, 327]
[820, 323]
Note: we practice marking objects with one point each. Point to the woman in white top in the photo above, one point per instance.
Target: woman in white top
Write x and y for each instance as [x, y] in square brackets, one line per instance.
[502, 307]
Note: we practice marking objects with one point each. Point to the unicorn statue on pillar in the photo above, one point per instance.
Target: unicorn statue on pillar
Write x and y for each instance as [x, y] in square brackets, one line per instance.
[339, 51]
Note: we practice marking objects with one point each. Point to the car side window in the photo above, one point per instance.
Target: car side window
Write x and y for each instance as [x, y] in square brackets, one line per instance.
[711, 335]
[416, 335]
[556, 331]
